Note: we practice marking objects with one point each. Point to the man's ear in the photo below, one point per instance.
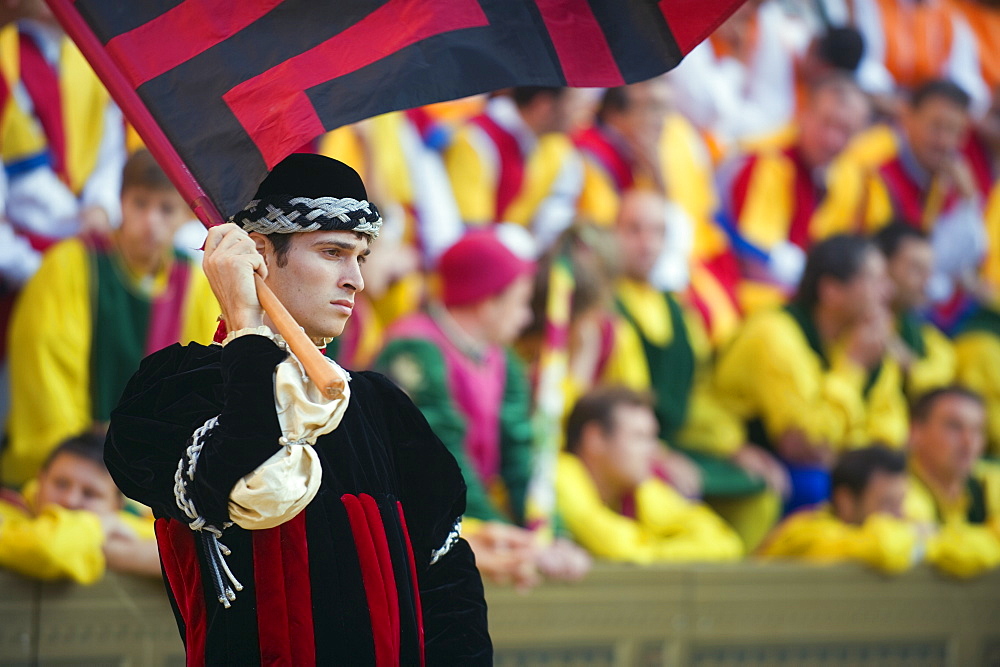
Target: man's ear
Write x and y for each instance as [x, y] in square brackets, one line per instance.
[843, 502]
[264, 246]
[591, 439]
[828, 290]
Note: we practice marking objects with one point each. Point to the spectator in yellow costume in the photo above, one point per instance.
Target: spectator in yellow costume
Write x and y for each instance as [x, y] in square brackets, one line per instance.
[70, 523]
[813, 379]
[925, 355]
[665, 348]
[863, 522]
[950, 487]
[92, 312]
[611, 502]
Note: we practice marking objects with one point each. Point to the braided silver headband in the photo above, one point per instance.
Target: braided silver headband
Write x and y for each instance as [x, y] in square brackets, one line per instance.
[302, 214]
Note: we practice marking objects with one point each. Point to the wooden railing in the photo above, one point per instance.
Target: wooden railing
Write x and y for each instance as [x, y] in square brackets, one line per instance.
[746, 614]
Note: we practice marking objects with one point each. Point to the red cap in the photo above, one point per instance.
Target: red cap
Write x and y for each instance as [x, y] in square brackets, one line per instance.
[477, 267]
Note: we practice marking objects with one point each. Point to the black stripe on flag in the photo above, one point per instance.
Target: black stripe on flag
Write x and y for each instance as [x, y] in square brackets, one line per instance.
[638, 36]
[110, 18]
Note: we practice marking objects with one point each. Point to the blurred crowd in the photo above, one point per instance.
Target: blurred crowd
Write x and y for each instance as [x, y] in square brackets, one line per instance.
[750, 308]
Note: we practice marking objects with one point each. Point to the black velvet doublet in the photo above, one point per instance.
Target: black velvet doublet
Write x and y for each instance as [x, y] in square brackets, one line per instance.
[349, 580]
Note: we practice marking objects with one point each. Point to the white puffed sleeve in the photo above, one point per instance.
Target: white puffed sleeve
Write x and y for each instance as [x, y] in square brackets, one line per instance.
[284, 484]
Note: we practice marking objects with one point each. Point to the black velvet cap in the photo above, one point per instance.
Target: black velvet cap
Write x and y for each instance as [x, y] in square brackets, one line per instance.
[313, 176]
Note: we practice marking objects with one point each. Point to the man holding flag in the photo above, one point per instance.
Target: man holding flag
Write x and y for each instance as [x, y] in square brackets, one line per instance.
[340, 513]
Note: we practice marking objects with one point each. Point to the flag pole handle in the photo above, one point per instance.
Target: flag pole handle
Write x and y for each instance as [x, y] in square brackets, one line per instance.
[320, 372]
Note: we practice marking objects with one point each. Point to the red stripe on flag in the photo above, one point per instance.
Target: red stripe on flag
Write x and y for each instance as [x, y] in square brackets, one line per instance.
[284, 595]
[581, 45]
[273, 107]
[176, 36]
[179, 555]
[691, 21]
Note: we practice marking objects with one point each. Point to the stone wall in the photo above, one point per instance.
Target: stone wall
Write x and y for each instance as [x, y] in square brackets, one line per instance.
[747, 614]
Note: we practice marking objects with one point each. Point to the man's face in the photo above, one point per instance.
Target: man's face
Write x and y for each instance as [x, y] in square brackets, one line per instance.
[935, 132]
[559, 112]
[641, 232]
[950, 441]
[884, 494]
[828, 124]
[320, 278]
[150, 219]
[648, 104]
[509, 312]
[630, 446]
[78, 483]
[910, 270]
[869, 292]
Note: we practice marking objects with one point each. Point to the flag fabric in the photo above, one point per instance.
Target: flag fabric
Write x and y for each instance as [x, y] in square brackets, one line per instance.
[237, 86]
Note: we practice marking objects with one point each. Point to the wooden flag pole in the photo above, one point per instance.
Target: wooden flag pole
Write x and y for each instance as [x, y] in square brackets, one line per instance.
[320, 372]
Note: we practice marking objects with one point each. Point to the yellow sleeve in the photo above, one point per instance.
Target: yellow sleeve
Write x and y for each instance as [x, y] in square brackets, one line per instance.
[963, 550]
[599, 199]
[50, 337]
[710, 426]
[57, 544]
[142, 525]
[840, 211]
[201, 310]
[770, 372]
[882, 542]
[627, 365]
[667, 528]
[978, 368]
[690, 182]
[854, 202]
[687, 530]
[472, 180]
[991, 263]
[887, 414]
[988, 474]
[878, 209]
[936, 368]
[766, 214]
[344, 144]
[544, 166]
[918, 503]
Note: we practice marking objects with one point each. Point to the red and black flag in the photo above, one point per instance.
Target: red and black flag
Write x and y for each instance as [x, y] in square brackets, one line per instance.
[237, 86]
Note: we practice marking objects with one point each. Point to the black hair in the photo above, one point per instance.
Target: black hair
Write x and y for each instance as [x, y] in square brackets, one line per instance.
[281, 243]
[924, 405]
[890, 238]
[940, 89]
[525, 95]
[599, 406]
[839, 257]
[143, 171]
[614, 100]
[841, 48]
[854, 469]
[89, 446]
